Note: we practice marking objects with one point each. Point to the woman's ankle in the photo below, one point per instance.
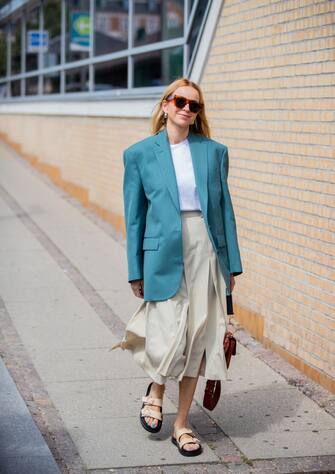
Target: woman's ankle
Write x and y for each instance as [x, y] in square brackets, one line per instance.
[157, 388]
[178, 424]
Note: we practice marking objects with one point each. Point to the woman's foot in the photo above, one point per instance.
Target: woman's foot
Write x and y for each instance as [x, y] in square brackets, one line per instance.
[190, 444]
[156, 391]
[186, 441]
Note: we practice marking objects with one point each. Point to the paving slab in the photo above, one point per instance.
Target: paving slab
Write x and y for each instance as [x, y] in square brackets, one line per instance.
[71, 319]
[85, 364]
[251, 373]
[45, 296]
[285, 445]
[101, 399]
[122, 442]
[89, 251]
[281, 410]
[267, 418]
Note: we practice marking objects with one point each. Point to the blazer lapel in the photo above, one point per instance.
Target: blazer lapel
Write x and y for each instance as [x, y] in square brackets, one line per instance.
[198, 148]
[163, 153]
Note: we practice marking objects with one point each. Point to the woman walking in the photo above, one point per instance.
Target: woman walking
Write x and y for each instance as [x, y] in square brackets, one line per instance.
[182, 252]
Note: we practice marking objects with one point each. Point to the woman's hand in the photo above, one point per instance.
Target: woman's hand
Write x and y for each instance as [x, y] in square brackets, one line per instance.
[232, 282]
[137, 287]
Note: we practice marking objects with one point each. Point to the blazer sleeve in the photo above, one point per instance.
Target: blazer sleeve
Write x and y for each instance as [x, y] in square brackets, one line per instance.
[135, 210]
[235, 264]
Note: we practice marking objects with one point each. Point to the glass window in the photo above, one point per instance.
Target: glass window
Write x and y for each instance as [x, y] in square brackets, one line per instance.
[76, 80]
[15, 87]
[52, 28]
[110, 26]
[153, 22]
[3, 90]
[3, 52]
[111, 75]
[77, 30]
[198, 20]
[158, 68]
[32, 27]
[32, 85]
[157, 20]
[51, 83]
[15, 37]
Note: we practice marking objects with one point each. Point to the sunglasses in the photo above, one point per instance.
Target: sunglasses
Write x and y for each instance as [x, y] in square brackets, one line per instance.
[180, 103]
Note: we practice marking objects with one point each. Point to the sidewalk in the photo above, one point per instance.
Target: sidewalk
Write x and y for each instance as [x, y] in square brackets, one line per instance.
[65, 300]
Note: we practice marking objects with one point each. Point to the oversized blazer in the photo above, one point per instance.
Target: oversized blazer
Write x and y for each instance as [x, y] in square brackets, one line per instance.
[152, 212]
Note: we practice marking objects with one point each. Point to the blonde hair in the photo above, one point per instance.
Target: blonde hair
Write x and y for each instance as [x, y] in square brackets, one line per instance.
[200, 125]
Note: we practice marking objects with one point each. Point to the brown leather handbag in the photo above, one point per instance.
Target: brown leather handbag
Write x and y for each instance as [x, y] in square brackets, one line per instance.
[213, 387]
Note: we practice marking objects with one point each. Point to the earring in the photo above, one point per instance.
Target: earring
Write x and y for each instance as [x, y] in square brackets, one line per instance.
[165, 115]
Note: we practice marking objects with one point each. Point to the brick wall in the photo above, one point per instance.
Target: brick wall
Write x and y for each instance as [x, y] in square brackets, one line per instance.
[268, 87]
[82, 154]
[269, 98]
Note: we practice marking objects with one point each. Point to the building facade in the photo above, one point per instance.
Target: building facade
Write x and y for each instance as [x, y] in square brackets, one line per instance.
[79, 80]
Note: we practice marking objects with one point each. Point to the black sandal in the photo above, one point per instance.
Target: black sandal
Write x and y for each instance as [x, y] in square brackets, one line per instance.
[145, 411]
[176, 441]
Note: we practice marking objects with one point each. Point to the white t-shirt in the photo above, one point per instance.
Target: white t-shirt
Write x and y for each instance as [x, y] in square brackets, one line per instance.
[182, 160]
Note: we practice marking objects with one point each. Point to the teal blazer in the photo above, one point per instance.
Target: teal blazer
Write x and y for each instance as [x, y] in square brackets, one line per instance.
[152, 212]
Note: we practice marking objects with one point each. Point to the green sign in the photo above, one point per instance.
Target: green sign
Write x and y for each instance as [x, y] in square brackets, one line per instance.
[79, 31]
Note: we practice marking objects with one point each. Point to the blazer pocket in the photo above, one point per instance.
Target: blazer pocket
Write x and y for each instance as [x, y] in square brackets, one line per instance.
[150, 243]
[221, 240]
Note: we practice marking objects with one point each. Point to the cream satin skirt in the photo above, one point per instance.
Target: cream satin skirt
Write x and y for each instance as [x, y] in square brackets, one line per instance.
[184, 334]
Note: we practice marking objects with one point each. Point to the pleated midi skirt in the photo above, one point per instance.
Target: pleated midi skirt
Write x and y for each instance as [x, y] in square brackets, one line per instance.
[183, 335]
